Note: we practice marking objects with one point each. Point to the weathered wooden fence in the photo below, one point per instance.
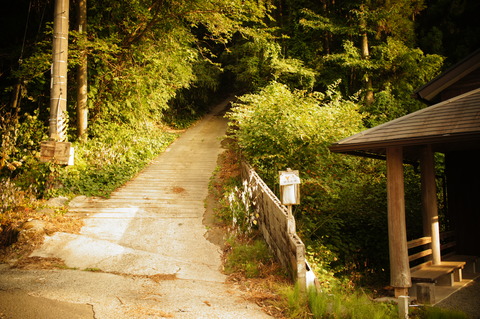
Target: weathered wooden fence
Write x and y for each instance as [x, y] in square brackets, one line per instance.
[275, 225]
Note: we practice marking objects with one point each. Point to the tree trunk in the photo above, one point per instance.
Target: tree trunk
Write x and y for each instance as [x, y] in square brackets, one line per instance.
[17, 96]
[82, 85]
[327, 37]
[369, 98]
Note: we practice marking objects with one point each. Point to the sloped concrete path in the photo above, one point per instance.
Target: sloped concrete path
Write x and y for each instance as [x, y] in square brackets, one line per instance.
[149, 242]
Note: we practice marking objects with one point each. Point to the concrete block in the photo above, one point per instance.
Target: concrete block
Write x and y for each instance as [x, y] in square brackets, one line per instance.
[425, 293]
[446, 280]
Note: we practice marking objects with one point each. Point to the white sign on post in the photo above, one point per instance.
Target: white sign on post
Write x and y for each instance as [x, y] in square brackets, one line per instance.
[289, 187]
[289, 178]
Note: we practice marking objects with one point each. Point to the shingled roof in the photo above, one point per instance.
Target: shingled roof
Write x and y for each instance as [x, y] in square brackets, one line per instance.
[449, 125]
[460, 78]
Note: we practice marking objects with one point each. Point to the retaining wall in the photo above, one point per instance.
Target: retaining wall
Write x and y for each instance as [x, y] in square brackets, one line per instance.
[275, 225]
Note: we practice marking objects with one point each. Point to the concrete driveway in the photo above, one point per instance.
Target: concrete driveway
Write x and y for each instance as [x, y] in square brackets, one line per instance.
[142, 253]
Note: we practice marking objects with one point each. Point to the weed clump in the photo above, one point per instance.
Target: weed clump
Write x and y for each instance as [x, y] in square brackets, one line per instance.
[250, 258]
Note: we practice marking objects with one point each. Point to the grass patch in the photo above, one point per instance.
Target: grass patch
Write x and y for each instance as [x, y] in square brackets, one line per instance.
[251, 258]
[333, 304]
[356, 304]
[436, 313]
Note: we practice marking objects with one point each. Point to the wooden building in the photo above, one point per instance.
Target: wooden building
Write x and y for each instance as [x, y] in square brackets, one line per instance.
[451, 125]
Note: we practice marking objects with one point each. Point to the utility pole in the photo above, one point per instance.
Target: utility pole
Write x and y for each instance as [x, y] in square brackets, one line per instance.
[57, 149]
[58, 90]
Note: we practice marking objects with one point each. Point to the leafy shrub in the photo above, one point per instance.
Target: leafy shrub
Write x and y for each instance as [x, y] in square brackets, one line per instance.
[12, 196]
[20, 141]
[20, 138]
[278, 128]
[111, 158]
[238, 209]
[343, 213]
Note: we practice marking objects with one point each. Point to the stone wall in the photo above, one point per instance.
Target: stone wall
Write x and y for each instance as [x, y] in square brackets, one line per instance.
[275, 225]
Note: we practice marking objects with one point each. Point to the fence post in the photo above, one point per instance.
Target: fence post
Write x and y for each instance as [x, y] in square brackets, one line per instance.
[403, 307]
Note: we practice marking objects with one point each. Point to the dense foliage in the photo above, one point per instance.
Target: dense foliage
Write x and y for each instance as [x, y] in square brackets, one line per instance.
[342, 196]
[153, 62]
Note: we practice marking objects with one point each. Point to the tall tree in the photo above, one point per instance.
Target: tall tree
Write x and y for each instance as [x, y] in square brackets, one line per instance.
[369, 45]
[82, 68]
[369, 96]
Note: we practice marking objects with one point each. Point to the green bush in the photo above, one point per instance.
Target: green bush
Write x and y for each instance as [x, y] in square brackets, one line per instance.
[19, 155]
[111, 158]
[280, 128]
[342, 217]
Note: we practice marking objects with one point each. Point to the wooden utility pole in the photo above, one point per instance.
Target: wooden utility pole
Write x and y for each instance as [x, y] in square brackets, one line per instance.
[57, 149]
[58, 90]
[82, 84]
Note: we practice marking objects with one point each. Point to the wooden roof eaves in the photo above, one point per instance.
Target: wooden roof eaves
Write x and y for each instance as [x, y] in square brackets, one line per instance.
[428, 91]
[350, 141]
[408, 142]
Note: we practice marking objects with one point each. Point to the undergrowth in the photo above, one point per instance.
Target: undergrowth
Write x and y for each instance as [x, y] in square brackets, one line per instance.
[436, 313]
[338, 302]
[112, 158]
[248, 256]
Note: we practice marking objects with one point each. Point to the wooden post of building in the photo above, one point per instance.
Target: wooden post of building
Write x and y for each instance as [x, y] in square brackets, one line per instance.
[58, 90]
[429, 201]
[397, 233]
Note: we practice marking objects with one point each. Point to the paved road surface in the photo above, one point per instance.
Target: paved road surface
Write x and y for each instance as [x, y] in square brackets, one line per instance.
[149, 242]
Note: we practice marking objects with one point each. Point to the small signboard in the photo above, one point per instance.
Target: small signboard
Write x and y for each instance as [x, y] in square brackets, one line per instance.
[289, 178]
[289, 187]
[57, 152]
